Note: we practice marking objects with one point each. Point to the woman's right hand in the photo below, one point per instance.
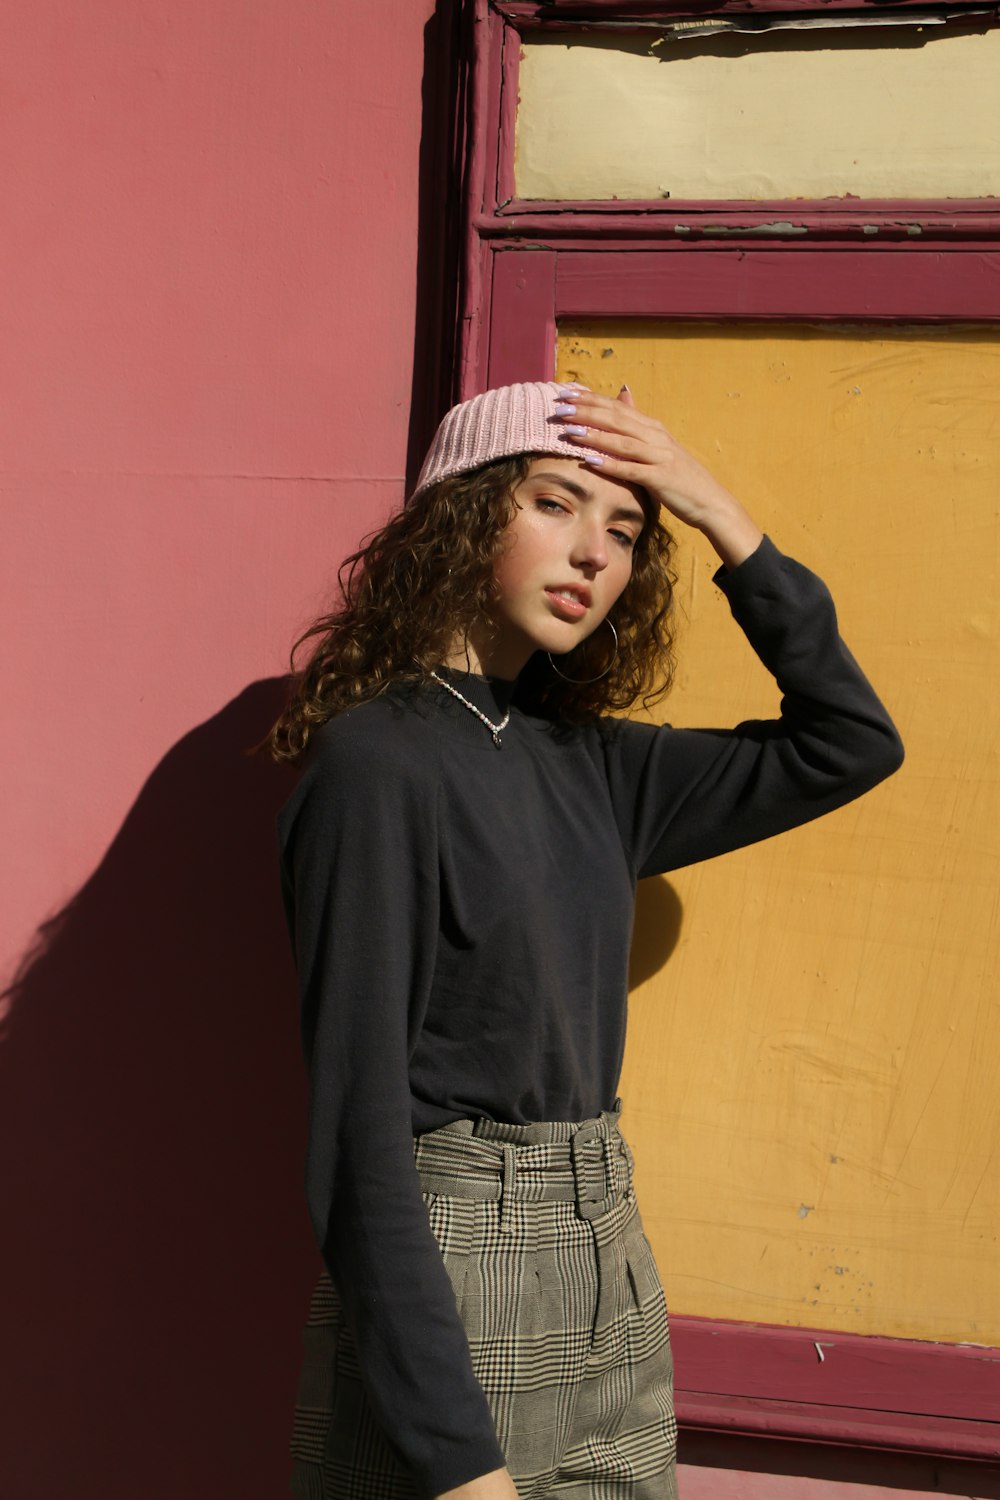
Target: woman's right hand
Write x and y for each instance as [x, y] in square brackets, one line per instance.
[497, 1485]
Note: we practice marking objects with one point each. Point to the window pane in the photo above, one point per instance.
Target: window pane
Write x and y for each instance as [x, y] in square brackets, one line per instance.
[811, 1077]
[899, 112]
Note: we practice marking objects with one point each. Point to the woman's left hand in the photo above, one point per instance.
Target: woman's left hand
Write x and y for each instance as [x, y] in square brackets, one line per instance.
[639, 449]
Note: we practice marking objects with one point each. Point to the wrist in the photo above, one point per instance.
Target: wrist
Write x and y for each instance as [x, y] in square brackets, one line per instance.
[732, 531]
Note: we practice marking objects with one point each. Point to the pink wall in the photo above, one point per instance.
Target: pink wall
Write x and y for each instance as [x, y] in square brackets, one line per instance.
[207, 309]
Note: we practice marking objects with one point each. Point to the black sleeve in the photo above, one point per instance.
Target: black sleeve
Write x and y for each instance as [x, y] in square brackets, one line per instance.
[360, 880]
[682, 795]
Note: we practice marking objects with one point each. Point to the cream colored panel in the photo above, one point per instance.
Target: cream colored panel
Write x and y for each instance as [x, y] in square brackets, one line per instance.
[914, 115]
[811, 1078]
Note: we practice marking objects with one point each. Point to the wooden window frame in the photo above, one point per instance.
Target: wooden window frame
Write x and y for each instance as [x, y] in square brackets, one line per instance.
[526, 267]
[743, 234]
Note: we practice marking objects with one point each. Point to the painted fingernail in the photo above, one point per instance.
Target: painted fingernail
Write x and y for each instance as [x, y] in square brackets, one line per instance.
[563, 409]
[575, 431]
[626, 390]
[595, 458]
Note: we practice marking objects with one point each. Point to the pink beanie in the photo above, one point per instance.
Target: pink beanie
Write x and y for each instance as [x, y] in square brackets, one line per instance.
[498, 424]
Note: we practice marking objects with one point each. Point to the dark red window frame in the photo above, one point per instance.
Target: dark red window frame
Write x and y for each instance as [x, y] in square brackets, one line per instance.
[689, 259]
[527, 266]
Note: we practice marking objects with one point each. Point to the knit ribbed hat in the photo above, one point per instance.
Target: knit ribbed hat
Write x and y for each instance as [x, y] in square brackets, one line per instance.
[497, 424]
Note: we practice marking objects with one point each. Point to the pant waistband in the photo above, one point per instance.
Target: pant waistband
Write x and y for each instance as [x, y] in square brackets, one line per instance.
[586, 1163]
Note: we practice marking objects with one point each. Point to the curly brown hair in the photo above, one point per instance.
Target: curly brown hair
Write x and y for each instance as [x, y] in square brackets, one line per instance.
[422, 581]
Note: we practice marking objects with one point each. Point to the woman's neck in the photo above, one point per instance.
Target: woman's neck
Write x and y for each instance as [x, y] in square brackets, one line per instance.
[486, 656]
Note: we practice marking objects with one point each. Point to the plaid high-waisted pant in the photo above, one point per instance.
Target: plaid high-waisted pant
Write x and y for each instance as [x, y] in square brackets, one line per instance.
[560, 1297]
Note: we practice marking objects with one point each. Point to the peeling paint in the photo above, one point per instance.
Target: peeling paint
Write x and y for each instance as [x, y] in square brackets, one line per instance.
[758, 25]
[804, 1209]
[780, 226]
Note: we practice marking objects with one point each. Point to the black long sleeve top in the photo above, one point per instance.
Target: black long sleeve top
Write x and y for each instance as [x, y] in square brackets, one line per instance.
[461, 915]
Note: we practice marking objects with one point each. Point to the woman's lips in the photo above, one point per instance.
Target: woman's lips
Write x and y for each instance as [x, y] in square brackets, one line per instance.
[568, 606]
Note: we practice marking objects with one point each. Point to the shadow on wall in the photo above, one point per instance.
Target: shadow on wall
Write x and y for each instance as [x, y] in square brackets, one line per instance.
[658, 917]
[157, 1257]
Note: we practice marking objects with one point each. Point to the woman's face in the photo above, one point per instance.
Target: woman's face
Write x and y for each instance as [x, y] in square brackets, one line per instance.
[566, 557]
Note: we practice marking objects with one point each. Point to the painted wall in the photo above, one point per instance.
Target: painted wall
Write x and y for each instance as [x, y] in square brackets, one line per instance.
[879, 111]
[810, 1075]
[207, 303]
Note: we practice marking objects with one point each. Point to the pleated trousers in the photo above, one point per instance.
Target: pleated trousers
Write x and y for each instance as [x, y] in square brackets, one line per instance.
[561, 1300]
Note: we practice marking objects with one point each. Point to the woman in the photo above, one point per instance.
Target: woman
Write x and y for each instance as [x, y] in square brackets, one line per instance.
[459, 864]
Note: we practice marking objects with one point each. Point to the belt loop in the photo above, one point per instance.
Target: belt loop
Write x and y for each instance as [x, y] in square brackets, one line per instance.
[507, 1189]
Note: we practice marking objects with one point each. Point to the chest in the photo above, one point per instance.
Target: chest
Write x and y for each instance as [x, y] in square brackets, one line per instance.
[530, 848]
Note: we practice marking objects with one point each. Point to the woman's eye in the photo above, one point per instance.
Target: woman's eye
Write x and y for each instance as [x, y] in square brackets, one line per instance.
[544, 503]
[626, 539]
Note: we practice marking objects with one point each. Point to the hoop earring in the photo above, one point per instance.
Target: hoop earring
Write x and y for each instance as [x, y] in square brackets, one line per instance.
[582, 681]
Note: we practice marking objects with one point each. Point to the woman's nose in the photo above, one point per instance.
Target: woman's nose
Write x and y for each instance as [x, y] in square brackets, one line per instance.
[591, 548]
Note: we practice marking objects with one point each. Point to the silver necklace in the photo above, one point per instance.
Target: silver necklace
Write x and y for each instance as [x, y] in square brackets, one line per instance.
[493, 728]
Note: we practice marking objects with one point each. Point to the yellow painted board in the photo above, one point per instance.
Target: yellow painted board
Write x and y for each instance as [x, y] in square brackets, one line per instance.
[877, 112]
[811, 1080]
